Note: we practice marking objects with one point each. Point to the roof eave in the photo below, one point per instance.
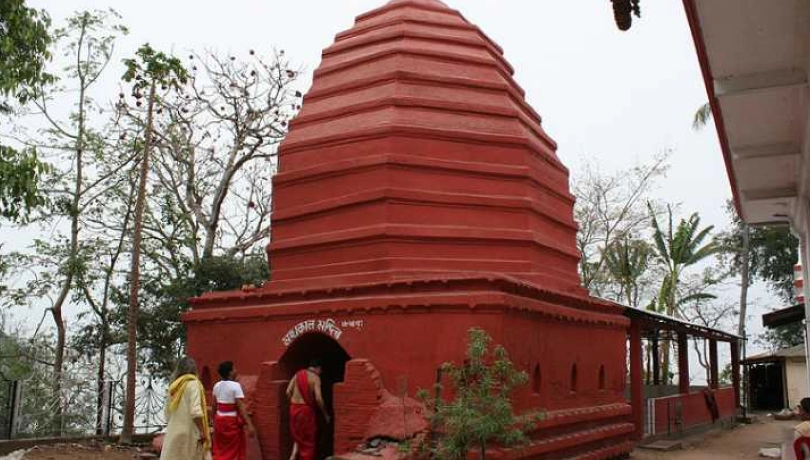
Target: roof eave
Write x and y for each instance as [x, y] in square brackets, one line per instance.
[717, 112]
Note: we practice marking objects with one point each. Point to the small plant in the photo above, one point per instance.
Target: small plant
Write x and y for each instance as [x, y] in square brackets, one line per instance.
[405, 448]
[481, 409]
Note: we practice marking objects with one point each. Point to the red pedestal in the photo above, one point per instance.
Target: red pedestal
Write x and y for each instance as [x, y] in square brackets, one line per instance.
[418, 196]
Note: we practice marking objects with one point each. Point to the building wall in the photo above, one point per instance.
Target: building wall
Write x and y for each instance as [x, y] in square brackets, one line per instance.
[567, 371]
[394, 348]
[796, 373]
[410, 334]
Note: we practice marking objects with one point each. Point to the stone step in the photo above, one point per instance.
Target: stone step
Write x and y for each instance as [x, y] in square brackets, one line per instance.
[663, 446]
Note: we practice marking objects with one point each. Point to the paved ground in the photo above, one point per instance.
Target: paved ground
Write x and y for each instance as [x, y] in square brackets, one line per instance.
[741, 443]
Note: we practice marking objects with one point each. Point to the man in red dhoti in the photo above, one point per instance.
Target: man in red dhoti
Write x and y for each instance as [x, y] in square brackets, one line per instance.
[304, 393]
[230, 416]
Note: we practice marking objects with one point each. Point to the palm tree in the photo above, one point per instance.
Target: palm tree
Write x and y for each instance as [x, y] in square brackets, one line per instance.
[678, 248]
[702, 116]
[626, 260]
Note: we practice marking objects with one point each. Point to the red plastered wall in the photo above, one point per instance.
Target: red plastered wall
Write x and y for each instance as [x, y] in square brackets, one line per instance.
[694, 411]
[358, 397]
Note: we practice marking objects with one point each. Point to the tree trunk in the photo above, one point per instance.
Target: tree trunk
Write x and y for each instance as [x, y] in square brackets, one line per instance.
[135, 276]
[648, 353]
[745, 281]
[56, 309]
[104, 317]
[671, 311]
[73, 253]
[58, 364]
[102, 359]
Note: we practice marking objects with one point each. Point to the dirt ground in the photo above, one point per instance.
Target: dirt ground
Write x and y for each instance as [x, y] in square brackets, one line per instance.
[82, 452]
[742, 443]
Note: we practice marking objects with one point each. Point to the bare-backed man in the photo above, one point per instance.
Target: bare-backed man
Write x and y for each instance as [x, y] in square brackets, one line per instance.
[304, 393]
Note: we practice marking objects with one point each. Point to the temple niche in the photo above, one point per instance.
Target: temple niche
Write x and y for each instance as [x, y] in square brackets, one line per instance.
[419, 196]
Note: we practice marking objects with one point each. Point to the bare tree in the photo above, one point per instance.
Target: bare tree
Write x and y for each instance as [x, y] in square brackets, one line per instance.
[218, 142]
[699, 306]
[611, 208]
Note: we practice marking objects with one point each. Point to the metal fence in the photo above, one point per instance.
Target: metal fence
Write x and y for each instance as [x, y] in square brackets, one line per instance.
[35, 409]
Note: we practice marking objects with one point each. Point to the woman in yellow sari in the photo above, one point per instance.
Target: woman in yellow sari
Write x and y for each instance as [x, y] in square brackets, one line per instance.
[188, 436]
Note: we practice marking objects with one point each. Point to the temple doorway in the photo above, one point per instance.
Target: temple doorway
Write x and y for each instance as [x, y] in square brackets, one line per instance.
[333, 359]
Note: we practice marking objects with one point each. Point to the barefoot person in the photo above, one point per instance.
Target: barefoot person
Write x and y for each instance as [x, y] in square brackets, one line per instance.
[188, 433]
[230, 416]
[304, 393]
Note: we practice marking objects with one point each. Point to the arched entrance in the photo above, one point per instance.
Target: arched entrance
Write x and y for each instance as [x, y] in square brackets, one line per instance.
[333, 357]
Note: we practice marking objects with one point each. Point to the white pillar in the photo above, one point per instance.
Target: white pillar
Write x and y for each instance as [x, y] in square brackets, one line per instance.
[803, 257]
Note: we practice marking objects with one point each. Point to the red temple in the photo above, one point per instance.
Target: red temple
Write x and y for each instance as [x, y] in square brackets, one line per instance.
[418, 196]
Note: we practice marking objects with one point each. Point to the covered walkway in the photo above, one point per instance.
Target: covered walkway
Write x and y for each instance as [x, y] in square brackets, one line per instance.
[661, 409]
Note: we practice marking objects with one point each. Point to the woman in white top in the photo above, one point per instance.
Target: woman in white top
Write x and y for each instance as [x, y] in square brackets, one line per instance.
[230, 416]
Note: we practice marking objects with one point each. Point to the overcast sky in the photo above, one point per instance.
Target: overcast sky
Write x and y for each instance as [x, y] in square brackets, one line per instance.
[620, 97]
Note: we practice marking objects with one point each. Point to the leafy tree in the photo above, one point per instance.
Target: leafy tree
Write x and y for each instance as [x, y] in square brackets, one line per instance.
[772, 252]
[161, 336]
[20, 175]
[148, 72]
[481, 410]
[83, 166]
[786, 336]
[24, 51]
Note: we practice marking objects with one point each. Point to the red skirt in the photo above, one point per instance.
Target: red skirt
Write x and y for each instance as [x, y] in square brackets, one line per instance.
[229, 438]
[304, 430]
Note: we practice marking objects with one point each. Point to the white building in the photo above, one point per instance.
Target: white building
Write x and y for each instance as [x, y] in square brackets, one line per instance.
[755, 57]
[777, 379]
